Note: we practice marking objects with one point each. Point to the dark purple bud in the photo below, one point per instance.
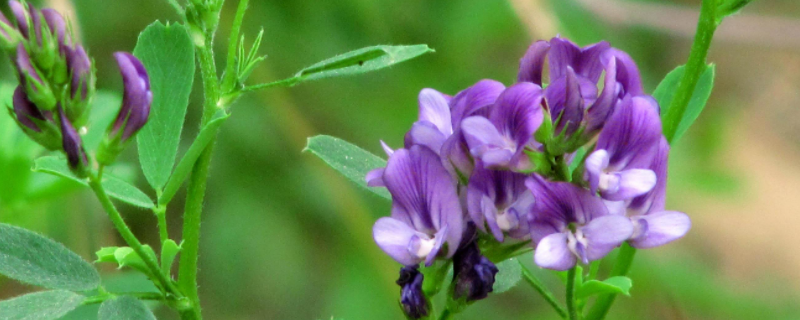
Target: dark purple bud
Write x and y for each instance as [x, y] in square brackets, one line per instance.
[473, 274]
[412, 298]
[137, 98]
[80, 68]
[57, 26]
[71, 141]
[26, 110]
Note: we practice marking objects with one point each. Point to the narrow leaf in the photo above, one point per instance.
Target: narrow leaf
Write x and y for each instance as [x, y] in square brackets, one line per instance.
[508, 276]
[169, 250]
[615, 285]
[34, 259]
[184, 167]
[350, 160]
[167, 53]
[361, 61]
[125, 308]
[46, 305]
[665, 92]
[115, 187]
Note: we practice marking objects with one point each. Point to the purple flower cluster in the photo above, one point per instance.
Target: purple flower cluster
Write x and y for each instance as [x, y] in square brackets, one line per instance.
[500, 157]
[57, 82]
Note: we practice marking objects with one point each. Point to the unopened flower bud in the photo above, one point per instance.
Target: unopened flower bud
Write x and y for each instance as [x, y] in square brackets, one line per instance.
[135, 109]
[59, 45]
[473, 274]
[82, 84]
[412, 299]
[73, 147]
[37, 124]
[26, 111]
[21, 16]
[9, 36]
[37, 89]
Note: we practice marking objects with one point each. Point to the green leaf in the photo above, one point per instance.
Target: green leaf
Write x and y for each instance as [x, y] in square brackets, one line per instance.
[665, 92]
[726, 8]
[46, 305]
[350, 160]
[614, 285]
[508, 276]
[126, 257]
[167, 53]
[184, 167]
[169, 250]
[361, 61]
[105, 106]
[125, 308]
[115, 187]
[34, 259]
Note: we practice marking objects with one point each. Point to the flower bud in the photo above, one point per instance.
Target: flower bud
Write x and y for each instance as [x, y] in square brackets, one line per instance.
[412, 299]
[37, 89]
[9, 36]
[81, 86]
[26, 111]
[60, 40]
[135, 109]
[473, 274]
[21, 16]
[35, 123]
[73, 147]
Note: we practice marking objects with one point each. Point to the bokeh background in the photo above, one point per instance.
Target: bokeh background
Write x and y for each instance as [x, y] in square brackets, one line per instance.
[285, 237]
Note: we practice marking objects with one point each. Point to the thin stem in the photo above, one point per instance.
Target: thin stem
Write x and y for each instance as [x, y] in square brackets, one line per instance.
[154, 296]
[706, 26]
[621, 268]
[230, 75]
[543, 290]
[280, 83]
[571, 309]
[446, 314]
[161, 215]
[128, 236]
[196, 189]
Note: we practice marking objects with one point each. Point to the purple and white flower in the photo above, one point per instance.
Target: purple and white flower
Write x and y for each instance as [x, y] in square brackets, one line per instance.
[500, 200]
[426, 212]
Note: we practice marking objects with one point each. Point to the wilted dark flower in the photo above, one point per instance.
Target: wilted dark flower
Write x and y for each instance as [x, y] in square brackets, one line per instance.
[412, 298]
[137, 98]
[473, 274]
[426, 212]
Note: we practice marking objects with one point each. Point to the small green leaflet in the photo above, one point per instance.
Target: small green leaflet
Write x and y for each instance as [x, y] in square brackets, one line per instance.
[665, 92]
[167, 53]
[46, 305]
[115, 187]
[126, 257]
[125, 308]
[508, 276]
[34, 259]
[169, 250]
[350, 160]
[361, 61]
[613, 285]
[184, 167]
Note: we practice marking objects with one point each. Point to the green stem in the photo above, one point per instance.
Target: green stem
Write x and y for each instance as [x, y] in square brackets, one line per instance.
[543, 290]
[446, 314]
[196, 189]
[161, 215]
[127, 234]
[571, 308]
[621, 268]
[153, 296]
[280, 83]
[706, 26]
[229, 78]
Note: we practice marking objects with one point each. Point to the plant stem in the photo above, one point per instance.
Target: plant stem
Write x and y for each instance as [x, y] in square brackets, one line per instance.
[706, 26]
[128, 236]
[571, 308]
[187, 278]
[280, 83]
[229, 78]
[621, 268]
[446, 314]
[154, 296]
[161, 214]
[543, 290]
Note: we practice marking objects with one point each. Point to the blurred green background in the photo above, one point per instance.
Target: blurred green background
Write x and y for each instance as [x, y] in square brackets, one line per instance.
[285, 237]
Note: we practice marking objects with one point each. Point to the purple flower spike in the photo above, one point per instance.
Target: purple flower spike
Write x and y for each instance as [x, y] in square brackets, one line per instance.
[412, 298]
[26, 110]
[569, 224]
[137, 98]
[500, 140]
[73, 147]
[473, 274]
[625, 148]
[426, 212]
[500, 200]
[655, 226]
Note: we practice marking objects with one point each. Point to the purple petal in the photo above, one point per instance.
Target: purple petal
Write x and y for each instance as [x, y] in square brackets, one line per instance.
[434, 108]
[605, 233]
[629, 184]
[395, 237]
[21, 16]
[426, 134]
[490, 213]
[660, 228]
[553, 253]
[456, 151]
[603, 107]
[589, 64]
[532, 63]
[25, 66]
[375, 178]
[562, 54]
[517, 115]
[57, 25]
[475, 100]
[25, 110]
[71, 142]
[566, 102]
[137, 98]
[632, 134]
[564, 202]
[386, 149]
[627, 74]
[595, 166]
[486, 143]
[655, 199]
